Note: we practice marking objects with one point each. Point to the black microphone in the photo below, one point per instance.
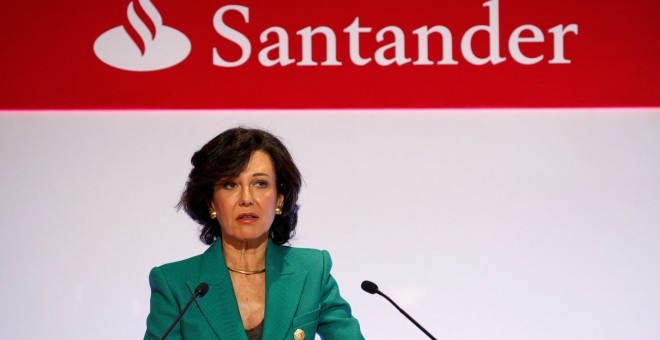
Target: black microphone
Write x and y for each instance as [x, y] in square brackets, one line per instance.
[372, 288]
[200, 291]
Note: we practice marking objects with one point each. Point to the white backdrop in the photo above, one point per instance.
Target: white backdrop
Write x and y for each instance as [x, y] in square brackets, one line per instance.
[498, 224]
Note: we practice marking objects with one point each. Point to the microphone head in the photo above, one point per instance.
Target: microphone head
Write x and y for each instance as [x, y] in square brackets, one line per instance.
[201, 289]
[369, 287]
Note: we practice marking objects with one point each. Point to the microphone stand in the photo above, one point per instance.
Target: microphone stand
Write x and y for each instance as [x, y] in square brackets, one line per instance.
[406, 315]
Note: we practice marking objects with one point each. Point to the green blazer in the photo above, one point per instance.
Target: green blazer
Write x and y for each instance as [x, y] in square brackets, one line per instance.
[300, 294]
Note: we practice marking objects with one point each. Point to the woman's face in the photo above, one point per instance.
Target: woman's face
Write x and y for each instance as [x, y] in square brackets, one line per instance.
[246, 204]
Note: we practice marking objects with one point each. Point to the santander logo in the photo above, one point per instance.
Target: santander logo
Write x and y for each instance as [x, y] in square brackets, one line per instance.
[145, 45]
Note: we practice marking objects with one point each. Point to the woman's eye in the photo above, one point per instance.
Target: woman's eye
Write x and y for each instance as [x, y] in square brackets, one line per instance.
[229, 185]
[261, 184]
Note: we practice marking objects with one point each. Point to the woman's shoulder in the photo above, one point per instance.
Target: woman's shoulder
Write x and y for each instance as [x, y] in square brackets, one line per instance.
[192, 266]
[295, 252]
[298, 251]
[305, 257]
[185, 267]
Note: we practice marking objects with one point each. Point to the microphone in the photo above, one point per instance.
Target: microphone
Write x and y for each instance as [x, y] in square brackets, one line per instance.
[372, 288]
[200, 291]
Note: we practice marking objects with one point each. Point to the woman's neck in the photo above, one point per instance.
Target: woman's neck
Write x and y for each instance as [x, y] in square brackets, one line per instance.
[249, 255]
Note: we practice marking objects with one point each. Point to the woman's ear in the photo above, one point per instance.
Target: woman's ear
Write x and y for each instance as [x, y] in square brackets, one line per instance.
[212, 210]
[280, 201]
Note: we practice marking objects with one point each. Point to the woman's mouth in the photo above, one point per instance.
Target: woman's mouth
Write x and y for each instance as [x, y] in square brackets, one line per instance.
[247, 217]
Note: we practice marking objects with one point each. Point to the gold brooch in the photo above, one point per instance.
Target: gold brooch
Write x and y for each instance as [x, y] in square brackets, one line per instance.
[299, 334]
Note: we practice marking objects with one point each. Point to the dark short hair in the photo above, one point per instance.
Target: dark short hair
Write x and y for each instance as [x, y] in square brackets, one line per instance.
[226, 156]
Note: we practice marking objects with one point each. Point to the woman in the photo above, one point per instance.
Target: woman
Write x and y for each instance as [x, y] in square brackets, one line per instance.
[243, 190]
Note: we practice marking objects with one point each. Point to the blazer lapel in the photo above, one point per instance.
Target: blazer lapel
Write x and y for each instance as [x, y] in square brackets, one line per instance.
[219, 305]
[283, 291]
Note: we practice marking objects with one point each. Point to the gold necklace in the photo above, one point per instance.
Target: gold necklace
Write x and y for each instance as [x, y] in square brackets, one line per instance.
[246, 272]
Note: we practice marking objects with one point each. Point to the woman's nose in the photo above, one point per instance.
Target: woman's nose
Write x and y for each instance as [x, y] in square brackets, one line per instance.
[246, 197]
